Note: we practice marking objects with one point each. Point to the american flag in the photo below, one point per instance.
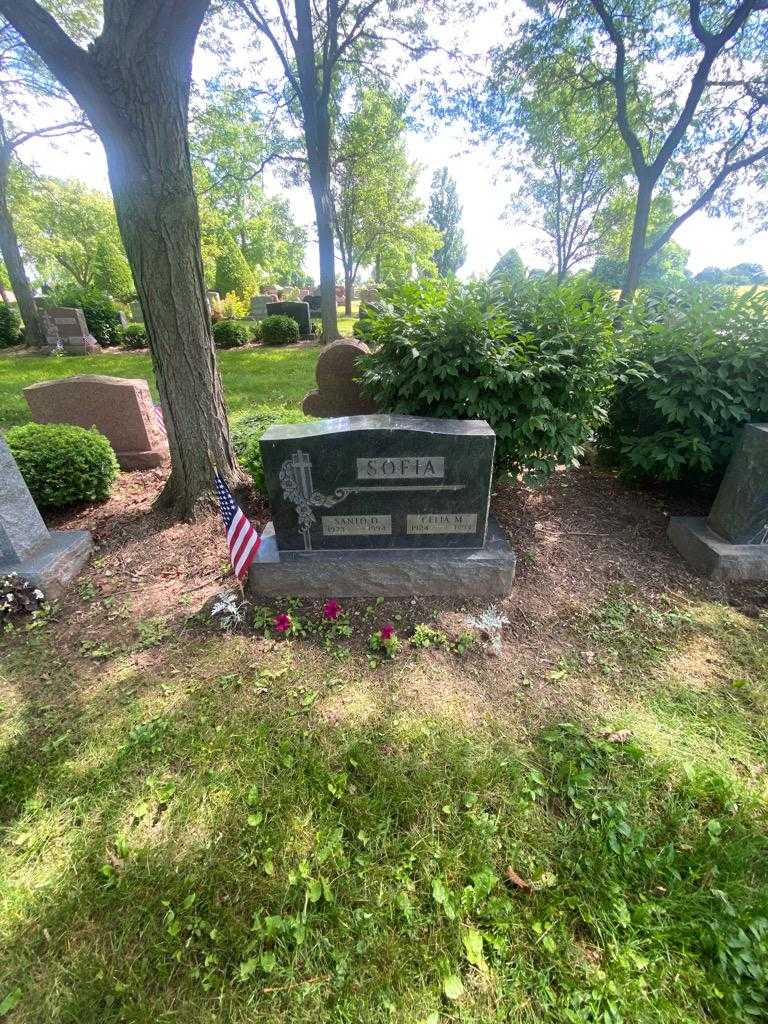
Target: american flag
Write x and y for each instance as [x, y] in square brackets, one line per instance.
[160, 417]
[242, 539]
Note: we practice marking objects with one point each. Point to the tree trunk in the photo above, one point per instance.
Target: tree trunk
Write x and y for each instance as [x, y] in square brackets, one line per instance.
[9, 246]
[321, 193]
[637, 252]
[347, 294]
[133, 83]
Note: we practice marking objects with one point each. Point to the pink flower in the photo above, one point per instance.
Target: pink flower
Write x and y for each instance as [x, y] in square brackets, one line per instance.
[282, 623]
[331, 610]
[387, 632]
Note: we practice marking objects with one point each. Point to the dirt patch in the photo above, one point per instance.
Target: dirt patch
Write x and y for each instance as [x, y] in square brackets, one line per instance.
[577, 539]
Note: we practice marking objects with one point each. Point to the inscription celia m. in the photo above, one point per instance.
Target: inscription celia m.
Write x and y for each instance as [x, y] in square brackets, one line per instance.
[442, 522]
[402, 467]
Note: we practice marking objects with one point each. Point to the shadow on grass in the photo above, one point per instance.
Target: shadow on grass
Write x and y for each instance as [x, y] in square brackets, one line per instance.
[229, 856]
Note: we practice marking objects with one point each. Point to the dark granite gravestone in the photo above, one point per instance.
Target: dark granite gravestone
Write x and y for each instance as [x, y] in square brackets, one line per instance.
[298, 311]
[314, 302]
[382, 504]
[48, 559]
[732, 542]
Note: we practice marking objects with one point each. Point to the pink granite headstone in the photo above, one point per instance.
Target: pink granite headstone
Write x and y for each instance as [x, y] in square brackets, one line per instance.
[121, 409]
[72, 330]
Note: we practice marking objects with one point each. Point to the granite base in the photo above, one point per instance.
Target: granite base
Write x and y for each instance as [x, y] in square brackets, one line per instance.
[152, 458]
[712, 555]
[426, 572]
[56, 562]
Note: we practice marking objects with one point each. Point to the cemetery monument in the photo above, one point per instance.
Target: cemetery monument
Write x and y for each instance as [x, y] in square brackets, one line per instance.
[381, 505]
[338, 391]
[121, 409]
[298, 311]
[48, 559]
[72, 330]
[732, 542]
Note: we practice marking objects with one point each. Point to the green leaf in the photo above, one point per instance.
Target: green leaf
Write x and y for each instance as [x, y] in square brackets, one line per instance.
[11, 1000]
[268, 962]
[473, 946]
[453, 988]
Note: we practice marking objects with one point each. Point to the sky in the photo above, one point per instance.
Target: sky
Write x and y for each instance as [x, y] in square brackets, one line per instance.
[488, 231]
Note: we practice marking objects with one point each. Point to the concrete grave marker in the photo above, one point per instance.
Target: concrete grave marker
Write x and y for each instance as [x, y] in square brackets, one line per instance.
[298, 311]
[72, 330]
[136, 314]
[732, 542]
[49, 559]
[338, 391]
[368, 505]
[258, 308]
[121, 409]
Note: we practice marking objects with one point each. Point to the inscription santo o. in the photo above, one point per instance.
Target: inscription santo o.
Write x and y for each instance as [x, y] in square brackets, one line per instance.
[402, 467]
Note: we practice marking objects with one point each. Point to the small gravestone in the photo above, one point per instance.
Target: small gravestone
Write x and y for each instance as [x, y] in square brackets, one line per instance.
[338, 391]
[315, 303]
[381, 505]
[732, 542]
[122, 318]
[136, 314]
[121, 409]
[49, 559]
[298, 311]
[72, 330]
[258, 308]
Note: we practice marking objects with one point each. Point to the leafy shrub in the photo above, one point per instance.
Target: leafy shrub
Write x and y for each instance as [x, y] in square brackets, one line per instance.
[11, 330]
[279, 330]
[63, 464]
[694, 369]
[246, 434]
[231, 333]
[134, 336]
[102, 314]
[531, 358]
[233, 275]
[510, 266]
[228, 308]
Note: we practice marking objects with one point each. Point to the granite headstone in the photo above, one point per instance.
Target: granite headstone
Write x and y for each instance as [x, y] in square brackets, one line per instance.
[298, 311]
[732, 542]
[383, 504]
[137, 315]
[338, 391]
[72, 329]
[49, 559]
[258, 308]
[122, 409]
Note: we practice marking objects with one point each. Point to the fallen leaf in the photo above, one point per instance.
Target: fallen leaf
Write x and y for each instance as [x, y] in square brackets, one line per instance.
[518, 882]
[452, 987]
[621, 736]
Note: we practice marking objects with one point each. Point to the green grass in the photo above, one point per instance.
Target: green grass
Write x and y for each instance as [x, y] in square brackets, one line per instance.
[251, 377]
[233, 830]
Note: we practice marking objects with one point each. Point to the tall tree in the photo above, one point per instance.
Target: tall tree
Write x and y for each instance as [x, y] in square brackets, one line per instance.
[373, 184]
[26, 90]
[445, 217]
[71, 232]
[688, 84]
[133, 82]
[315, 45]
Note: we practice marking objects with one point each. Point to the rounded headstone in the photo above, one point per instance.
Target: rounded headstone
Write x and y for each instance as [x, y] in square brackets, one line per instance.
[338, 392]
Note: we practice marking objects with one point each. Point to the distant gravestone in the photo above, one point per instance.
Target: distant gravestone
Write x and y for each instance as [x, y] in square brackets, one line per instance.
[390, 505]
[314, 302]
[122, 318]
[49, 559]
[121, 409]
[258, 308]
[298, 311]
[72, 330]
[338, 391]
[732, 542]
[136, 314]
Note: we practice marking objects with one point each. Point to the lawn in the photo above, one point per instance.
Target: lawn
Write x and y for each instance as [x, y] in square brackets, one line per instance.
[251, 376]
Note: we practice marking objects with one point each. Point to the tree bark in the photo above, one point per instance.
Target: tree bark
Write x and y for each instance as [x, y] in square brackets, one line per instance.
[9, 246]
[133, 83]
[638, 255]
[348, 294]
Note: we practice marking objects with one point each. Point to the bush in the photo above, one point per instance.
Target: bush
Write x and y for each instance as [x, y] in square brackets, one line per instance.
[279, 330]
[233, 275]
[11, 329]
[228, 308]
[231, 333]
[62, 464]
[246, 434]
[531, 358]
[102, 313]
[694, 369]
[134, 336]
